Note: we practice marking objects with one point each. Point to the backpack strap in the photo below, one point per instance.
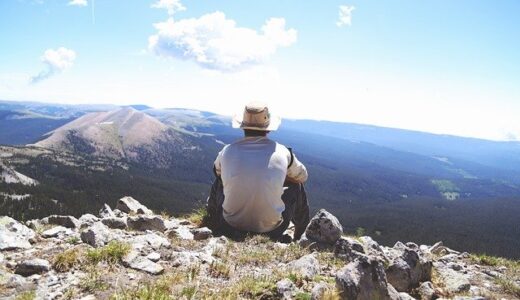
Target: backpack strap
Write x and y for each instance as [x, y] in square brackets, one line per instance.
[292, 157]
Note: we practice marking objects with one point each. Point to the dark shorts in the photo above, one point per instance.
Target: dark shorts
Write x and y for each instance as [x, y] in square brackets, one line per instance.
[296, 210]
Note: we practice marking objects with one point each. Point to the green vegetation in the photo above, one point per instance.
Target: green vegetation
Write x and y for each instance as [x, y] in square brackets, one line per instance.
[161, 289]
[26, 296]
[509, 286]
[67, 260]
[198, 216]
[218, 269]
[112, 253]
[93, 282]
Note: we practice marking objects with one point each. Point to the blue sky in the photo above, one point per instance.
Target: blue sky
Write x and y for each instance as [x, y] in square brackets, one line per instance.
[439, 66]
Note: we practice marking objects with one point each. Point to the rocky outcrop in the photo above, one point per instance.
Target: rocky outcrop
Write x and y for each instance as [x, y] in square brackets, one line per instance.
[131, 206]
[126, 249]
[14, 235]
[324, 228]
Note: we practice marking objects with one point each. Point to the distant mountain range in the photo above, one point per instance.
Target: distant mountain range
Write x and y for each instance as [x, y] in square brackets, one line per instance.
[452, 188]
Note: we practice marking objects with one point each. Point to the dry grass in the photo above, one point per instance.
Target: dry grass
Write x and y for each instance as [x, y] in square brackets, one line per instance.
[67, 260]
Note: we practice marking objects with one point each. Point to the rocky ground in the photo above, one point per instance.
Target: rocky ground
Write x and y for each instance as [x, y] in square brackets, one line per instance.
[132, 253]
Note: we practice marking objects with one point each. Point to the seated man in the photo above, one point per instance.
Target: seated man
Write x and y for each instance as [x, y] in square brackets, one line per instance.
[259, 184]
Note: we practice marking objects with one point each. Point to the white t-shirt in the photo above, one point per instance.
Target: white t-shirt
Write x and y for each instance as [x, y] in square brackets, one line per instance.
[253, 171]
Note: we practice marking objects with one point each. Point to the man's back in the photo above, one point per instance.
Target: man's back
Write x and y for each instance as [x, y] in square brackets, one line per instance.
[253, 171]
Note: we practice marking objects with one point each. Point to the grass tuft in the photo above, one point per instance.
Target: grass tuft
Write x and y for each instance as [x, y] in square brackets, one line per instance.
[112, 253]
[198, 216]
[30, 295]
[67, 260]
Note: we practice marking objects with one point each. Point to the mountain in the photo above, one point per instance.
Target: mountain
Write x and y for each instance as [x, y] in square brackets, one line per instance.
[123, 133]
[165, 156]
[130, 252]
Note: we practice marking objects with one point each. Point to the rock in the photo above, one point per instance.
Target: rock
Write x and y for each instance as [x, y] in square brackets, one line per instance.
[324, 228]
[405, 296]
[318, 291]
[412, 246]
[426, 291]
[143, 264]
[32, 266]
[363, 279]
[185, 258]
[180, 232]
[56, 231]
[154, 256]
[131, 206]
[97, 235]
[201, 233]
[285, 287]
[153, 240]
[146, 222]
[348, 249]
[436, 248]
[454, 282]
[14, 235]
[408, 270]
[87, 220]
[14, 281]
[65, 221]
[307, 266]
[34, 224]
[106, 212]
[114, 222]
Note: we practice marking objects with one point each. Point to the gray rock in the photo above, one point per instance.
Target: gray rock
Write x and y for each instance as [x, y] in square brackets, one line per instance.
[412, 246]
[106, 212]
[185, 258]
[134, 261]
[154, 256]
[285, 287]
[426, 291]
[65, 221]
[363, 279]
[180, 232]
[454, 282]
[437, 248]
[97, 235]
[318, 291]
[131, 206]
[307, 266]
[32, 266]
[405, 296]
[201, 233]
[14, 235]
[348, 249]
[56, 231]
[14, 281]
[324, 228]
[408, 270]
[114, 222]
[87, 220]
[146, 222]
[149, 240]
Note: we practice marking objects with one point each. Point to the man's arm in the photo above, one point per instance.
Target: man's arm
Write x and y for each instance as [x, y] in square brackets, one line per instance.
[217, 167]
[296, 173]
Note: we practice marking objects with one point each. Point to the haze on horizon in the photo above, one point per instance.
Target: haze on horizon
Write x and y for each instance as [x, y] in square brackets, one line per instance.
[450, 67]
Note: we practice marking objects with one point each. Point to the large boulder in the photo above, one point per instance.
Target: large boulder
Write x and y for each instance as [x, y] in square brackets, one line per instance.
[348, 249]
[131, 206]
[408, 270]
[146, 222]
[65, 221]
[14, 235]
[97, 235]
[363, 279]
[324, 228]
[32, 266]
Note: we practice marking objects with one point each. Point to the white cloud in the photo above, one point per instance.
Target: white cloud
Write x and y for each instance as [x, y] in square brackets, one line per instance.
[345, 15]
[215, 42]
[56, 61]
[78, 2]
[172, 6]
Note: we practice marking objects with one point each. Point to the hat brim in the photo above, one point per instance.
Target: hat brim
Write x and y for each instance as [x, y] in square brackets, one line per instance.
[274, 123]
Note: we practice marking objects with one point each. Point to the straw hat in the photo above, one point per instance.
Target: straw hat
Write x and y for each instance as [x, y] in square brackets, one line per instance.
[257, 117]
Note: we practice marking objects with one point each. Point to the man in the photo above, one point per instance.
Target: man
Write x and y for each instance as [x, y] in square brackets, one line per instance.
[259, 184]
